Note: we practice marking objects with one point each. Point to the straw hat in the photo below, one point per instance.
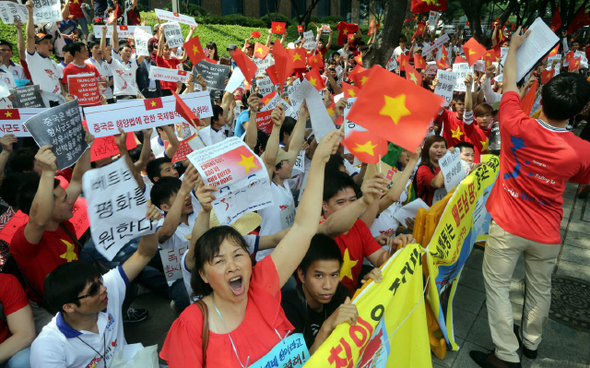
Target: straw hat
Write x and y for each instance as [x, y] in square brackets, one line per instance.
[247, 223]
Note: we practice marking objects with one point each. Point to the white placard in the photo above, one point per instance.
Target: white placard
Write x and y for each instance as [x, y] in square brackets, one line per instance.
[46, 11]
[122, 31]
[235, 81]
[10, 11]
[168, 75]
[171, 262]
[321, 122]
[409, 210]
[116, 208]
[173, 34]
[437, 44]
[309, 40]
[431, 68]
[141, 42]
[452, 169]
[134, 115]
[265, 86]
[538, 43]
[13, 121]
[462, 70]
[239, 175]
[446, 85]
[262, 64]
[299, 166]
[175, 17]
[433, 21]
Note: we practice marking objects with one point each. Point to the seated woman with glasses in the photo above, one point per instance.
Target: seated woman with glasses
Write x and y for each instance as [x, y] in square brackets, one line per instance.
[243, 303]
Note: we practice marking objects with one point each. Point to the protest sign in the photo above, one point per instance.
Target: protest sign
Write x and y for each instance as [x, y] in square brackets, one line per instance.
[175, 17]
[299, 165]
[214, 74]
[326, 29]
[85, 88]
[60, 126]
[168, 75]
[141, 42]
[431, 68]
[187, 146]
[321, 122]
[262, 64]
[235, 81]
[452, 169]
[461, 70]
[446, 85]
[27, 97]
[173, 34]
[116, 208]
[104, 147]
[270, 101]
[437, 44]
[265, 86]
[9, 12]
[171, 258]
[350, 126]
[46, 11]
[240, 175]
[263, 121]
[538, 43]
[289, 352]
[136, 115]
[122, 31]
[12, 121]
[433, 20]
[463, 220]
[309, 40]
[391, 330]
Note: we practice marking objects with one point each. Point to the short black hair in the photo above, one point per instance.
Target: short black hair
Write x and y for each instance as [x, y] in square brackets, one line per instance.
[76, 47]
[11, 186]
[287, 127]
[333, 165]
[63, 284]
[153, 167]
[135, 153]
[123, 44]
[463, 145]
[336, 182]
[6, 43]
[322, 248]
[261, 140]
[91, 44]
[459, 97]
[206, 249]
[565, 96]
[163, 189]
[217, 110]
[27, 192]
[23, 159]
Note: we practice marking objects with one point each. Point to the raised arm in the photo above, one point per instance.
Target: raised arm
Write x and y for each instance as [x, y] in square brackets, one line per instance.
[272, 145]
[146, 151]
[30, 29]
[103, 45]
[252, 130]
[510, 70]
[115, 38]
[329, 41]
[83, 165]
[20, 40]
[298, 134]
[146, 250]
[206, 197]
[291, 250]
[65, 11]
[269, 37]
[468, 115]
[172, 140]
[399, 182]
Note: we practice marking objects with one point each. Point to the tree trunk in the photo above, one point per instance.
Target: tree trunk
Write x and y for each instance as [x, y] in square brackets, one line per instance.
[472, 9]
[393, 20]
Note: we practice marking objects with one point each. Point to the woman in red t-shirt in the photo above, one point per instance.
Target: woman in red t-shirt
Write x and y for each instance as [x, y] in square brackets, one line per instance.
[243, 303]
[429, 177]
[164, 60]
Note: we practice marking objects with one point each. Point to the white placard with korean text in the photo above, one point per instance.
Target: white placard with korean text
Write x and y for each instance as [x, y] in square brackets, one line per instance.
[10, 11]
[175, 17]
[171, 262]
[462, 70]
[46, 11]
[446, 85]
[239, 175]
[173, 33]
[321, 122]
[309, 40]
[141, 42]
[116, 208]
[135, 115]
[265, 85]
[168, 75]
[12, 121]
[452, 169]
[122, 31]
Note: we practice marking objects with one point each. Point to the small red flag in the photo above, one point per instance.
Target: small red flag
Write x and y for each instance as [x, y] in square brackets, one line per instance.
[9, 114]
[578, 22]
[489, 57]
[185, 111]
[473, 51]
[350, 91]
[569, 56]
[459, 59]
[283, 63]
[574, 64]
[366, 146]
[245, 64]
[413, 75]
[358, 59]
[419, 62]
[266, 99]
[255, 34]
[278, 27]
[547, 75]
[344, 31]
[419, 30]
[298, 58]
[300, 28]
[271, 71]
[403, 61]
[153, 103]
[315, 61]
[194, 50]
[423, 6]
[260, 50]
[314, 77]
[442, 64]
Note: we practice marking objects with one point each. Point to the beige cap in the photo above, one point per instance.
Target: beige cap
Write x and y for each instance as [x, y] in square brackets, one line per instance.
[247, 223]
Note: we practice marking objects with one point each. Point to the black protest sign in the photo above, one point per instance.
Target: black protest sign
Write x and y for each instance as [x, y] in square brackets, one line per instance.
[27, 97]
[60, 126]
[214, 74]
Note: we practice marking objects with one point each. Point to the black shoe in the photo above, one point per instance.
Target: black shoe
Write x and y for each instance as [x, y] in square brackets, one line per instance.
[531, 354]
[135, 315]
[490, 360]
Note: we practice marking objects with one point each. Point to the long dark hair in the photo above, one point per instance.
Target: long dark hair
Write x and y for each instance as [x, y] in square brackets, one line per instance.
[426, 150]
[215, 55]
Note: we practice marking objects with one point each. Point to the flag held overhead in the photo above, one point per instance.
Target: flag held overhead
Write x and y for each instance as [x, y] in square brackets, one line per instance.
[278, 27]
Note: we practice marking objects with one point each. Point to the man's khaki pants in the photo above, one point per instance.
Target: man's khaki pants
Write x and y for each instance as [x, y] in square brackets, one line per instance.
[501, 254]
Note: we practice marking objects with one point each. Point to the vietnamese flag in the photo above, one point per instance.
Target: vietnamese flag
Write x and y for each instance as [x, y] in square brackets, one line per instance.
[344, 30]
[349, 90]
[554, 51]
[314, 77]
[278, 27]
[283, 63]
[547, 75]
[153, 103]
[419, 62]
[266, 99]
[358, 59]
[578, 22]
[459, 60]
[395, 109]
[366, 146]
[350, 38]
[473, 51]
[423, 6]
[298, 58]
[271, 71]
[360, 77]
[300, 28]
[442, 64]
[255, 34]
[403, 61]
[419, 30]
[413, 75]
[315, 61]
[245, 64]
[260, 50]
[194, 50]
[489, 57]
[240, 162]
[185, 111]
[331, 108]
[9, 114]
[575, 64]
[569, 56]
[556, 20]
[529, 99]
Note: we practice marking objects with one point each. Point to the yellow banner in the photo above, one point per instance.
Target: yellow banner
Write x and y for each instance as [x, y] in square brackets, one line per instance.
[464, 219]
[391, 330]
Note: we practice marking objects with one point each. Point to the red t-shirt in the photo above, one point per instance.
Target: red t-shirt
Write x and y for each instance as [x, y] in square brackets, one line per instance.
[12, 298]
[171, 63]
[536, 161]
[449, 125]
[478, 137]
[72, 69]
[359, 243]
[253, 338]
[424, 176]
[36, 261]
[76, 9]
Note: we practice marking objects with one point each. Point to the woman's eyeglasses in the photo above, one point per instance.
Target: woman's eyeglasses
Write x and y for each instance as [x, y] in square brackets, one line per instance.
[93, 290]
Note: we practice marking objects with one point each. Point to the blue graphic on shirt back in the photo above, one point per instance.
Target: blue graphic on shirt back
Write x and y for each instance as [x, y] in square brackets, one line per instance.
[517, 143]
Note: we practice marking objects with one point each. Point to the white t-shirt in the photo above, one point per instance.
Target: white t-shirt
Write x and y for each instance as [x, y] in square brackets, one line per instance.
[178, 242]
[105, 72]
[211, 136]
[124, 75]
[16, 70]
[60, 345]
[46, 74]
[398, 51]
[158, 147]
[278, 216]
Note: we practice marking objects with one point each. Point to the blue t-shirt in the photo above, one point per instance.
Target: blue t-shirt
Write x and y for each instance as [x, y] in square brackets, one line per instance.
[242, 118]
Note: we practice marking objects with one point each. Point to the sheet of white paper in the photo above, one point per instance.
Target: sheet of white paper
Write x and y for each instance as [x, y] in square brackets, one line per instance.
[409, 210]
[446, 84]
[321, 122]
[235, 81]
[538, 43]
[452, 169]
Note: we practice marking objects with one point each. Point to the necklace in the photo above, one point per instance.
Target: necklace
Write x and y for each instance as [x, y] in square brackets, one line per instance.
[104, 343]
[229, 335]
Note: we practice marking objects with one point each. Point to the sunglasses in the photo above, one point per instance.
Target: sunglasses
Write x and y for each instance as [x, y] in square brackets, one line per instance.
[93, 290]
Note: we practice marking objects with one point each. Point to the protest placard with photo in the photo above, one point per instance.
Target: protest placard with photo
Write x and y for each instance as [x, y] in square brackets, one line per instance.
[27, 97]
[168, 75]
[12, 121]
[60, 126]
[116, 208]
[85, 88]
[238, 173]
[173, 33]
[213, 74]
[9, 12]
[447, 81]
[122, 31]
[141, 42]
[175, 17]
[452, 169]
[433, 20]
[136, 115]
[46, 11]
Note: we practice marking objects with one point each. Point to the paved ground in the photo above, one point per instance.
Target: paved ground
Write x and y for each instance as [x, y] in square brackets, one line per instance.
[562, 346]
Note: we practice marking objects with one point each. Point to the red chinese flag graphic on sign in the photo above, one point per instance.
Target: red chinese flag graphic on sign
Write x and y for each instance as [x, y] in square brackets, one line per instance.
[349, 90]
[278, 27]
[194, 50]
[314, 77]
[9, 114]
[366, 146]
[153, 103]
[547, 75]
[260, 51]
[473, 51]
[413, 75]
[395, 109]
[298, 58]
[245, 64]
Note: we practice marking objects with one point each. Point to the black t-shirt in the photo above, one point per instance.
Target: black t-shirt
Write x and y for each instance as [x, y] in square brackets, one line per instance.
[303, 318]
